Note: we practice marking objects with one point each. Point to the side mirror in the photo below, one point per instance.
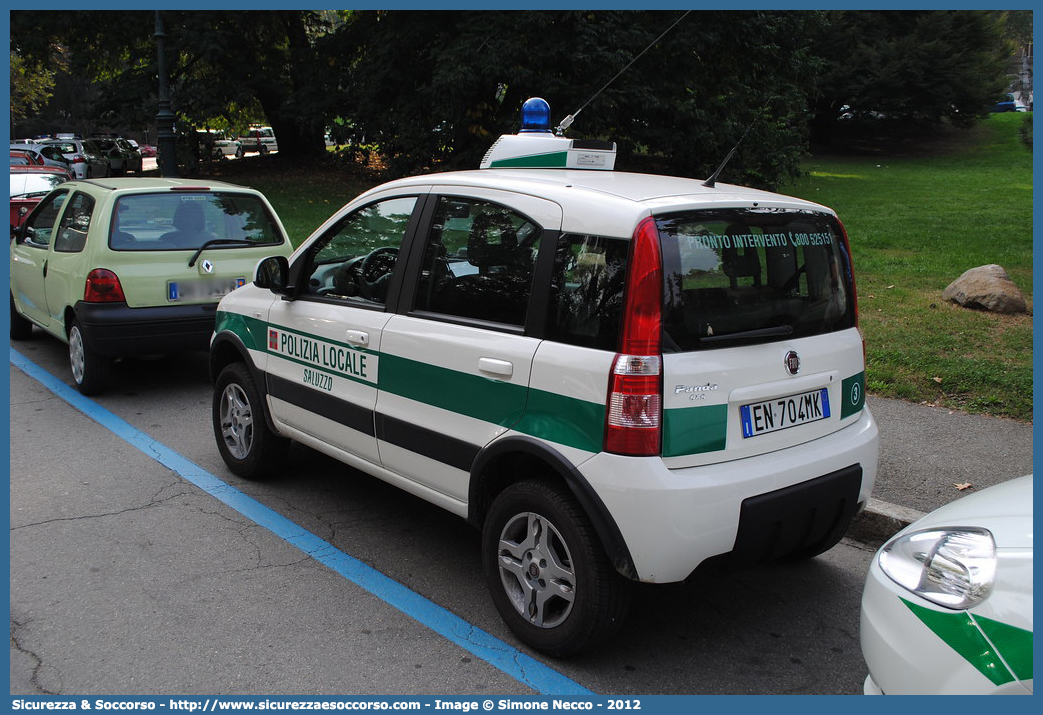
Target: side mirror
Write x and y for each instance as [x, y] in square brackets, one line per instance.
[272, 274]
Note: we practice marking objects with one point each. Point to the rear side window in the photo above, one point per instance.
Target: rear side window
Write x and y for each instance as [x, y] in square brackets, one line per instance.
[172, 221]
[587, 291]
[753, 275]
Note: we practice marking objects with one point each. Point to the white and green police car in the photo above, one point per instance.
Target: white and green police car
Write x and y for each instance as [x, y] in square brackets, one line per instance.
[614, 376]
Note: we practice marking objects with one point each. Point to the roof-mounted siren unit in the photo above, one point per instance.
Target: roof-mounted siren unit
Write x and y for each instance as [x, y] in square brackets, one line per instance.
[535, 146]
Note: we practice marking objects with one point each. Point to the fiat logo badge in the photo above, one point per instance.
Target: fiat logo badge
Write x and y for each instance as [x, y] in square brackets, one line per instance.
[792, 362]
[207, 266]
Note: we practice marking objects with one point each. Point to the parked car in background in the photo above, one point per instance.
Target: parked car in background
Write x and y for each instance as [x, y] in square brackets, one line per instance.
[1009, 103]
[947, 606]
[215, 145]
[21, 158]
[259, 139]
[83, 156]
[134, 160]
[29, 184]
[122, 156]
[135, 266]
[44, 155]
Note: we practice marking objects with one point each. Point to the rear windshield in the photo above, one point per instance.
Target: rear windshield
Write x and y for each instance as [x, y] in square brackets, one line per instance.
[741, 276]
[33, 184]
[172, 221]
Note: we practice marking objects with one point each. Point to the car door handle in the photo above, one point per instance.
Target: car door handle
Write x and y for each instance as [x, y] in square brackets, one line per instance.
[357, 337]
[492, 366]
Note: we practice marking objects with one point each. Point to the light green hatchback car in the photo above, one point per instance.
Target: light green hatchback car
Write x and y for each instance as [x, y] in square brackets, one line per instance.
[123, 267]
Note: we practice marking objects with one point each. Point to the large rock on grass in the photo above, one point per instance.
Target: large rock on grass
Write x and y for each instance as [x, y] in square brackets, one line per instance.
[986, 288]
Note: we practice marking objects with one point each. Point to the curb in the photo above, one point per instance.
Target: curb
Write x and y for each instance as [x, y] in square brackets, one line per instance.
[880, 521]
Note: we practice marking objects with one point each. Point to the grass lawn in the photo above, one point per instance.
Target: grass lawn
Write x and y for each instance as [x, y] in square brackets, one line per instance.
[916, 219]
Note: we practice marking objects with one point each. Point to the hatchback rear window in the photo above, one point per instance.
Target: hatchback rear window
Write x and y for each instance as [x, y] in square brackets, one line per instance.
[185, 221]
[741, 276]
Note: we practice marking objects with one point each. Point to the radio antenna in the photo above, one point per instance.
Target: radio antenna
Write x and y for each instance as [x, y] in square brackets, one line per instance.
[567, 121]
[712, 181]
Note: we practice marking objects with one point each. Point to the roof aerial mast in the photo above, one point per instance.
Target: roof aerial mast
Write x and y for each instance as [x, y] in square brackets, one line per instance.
[567, 121]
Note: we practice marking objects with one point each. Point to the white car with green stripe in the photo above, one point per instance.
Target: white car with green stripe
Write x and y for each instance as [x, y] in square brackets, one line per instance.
[947, 607]
[616, 377]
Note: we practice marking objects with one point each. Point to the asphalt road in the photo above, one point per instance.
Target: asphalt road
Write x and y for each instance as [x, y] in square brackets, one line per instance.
[128, 578]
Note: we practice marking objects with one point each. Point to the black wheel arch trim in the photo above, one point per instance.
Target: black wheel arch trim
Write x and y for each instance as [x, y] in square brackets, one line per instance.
[228, 340]
[608, 531]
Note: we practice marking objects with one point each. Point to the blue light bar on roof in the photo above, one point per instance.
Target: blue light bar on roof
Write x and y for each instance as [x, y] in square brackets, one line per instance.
[535, 115]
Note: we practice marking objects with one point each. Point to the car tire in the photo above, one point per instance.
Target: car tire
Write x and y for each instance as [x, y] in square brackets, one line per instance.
[21, 328]
[547, 572]
[246, 443]
[90, 371]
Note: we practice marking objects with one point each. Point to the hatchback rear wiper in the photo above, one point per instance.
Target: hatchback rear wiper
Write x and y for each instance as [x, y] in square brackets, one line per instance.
[772, 332]
[217, 242]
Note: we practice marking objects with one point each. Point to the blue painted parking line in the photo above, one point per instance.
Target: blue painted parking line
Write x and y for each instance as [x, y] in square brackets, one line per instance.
[518, 665]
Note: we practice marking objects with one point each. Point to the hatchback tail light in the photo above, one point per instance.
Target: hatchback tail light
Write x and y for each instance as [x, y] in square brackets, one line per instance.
[854, 289]
[634, 414]
[78, 160]
[103, 286]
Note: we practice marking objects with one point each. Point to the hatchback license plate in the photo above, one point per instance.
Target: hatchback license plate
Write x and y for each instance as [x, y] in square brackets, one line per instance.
[198, 290]
[773, 415]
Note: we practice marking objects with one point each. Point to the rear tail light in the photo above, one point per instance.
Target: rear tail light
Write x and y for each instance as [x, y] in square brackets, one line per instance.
[854, 289]
[78, 160]
[634, 415]
[103, 286]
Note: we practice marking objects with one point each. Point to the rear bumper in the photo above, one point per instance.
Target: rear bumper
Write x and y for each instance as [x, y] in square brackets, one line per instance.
[674, 520]
[116, 330]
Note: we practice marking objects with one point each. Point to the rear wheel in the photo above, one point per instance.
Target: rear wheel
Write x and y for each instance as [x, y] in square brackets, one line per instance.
[90, 371]
[547, 572]
[247, 444]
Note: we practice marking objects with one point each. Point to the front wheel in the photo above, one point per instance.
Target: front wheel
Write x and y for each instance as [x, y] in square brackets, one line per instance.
[90, 371]
[21, 328]
[547, 572]
[247, 444]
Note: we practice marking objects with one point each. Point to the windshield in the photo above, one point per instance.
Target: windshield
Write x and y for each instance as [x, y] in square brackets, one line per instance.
[753, 275]
[31, 183]
[186, 221]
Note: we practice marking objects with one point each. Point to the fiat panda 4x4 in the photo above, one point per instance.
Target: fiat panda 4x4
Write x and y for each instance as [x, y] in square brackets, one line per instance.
[613, 376]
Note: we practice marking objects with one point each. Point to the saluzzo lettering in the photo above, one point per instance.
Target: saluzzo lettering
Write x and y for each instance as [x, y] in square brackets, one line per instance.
[336, 358]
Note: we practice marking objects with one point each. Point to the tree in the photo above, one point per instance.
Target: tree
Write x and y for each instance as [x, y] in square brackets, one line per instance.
[32, 85]
[911, 66]
[686, 102]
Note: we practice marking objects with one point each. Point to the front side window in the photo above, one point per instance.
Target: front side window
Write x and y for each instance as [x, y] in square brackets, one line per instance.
[735, 276]
[356, 258]
[40, 226]
[479, 261]
[187, 220]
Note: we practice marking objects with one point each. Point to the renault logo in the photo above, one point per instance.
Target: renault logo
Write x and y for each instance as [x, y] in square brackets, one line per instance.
[206, 266]
[792, 362]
